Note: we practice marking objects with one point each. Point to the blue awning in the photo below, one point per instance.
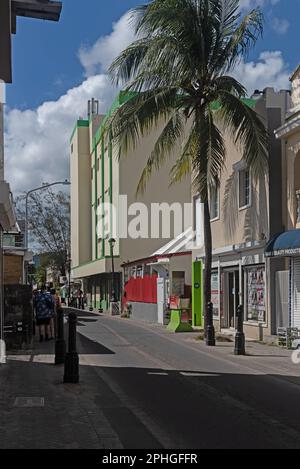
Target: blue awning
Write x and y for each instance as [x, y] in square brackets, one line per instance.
[286, 244]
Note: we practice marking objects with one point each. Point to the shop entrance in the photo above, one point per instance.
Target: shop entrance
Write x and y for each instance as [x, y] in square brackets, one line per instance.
[232, 294]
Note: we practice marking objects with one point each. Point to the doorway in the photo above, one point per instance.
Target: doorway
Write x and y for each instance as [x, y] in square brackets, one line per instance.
[232, 295]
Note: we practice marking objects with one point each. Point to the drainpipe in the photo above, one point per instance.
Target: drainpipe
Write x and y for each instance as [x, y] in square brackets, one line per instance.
[2, 341]
[220, 296]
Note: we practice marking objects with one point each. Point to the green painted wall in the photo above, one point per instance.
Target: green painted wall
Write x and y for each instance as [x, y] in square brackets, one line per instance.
[197, 293]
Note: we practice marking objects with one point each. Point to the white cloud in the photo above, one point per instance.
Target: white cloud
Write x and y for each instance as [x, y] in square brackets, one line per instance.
[280, 25]
[248, 4]
[97, 58]
[269, 71]
[37, 141]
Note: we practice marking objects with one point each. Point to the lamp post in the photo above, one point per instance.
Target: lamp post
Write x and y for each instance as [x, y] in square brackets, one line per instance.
[69, 263]
[112, 243]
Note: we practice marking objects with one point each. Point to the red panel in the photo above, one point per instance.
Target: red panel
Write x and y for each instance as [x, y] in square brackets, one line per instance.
[142, 290]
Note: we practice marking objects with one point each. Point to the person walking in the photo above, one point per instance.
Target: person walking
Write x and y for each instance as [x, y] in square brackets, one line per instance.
[56, 306]
[44, 307]
[80, 299]
[63, 294]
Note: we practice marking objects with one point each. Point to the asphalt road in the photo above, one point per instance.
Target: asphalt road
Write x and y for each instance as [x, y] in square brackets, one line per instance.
[161, 390]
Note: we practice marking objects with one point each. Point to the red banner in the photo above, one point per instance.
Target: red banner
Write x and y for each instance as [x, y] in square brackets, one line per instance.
[142, 290]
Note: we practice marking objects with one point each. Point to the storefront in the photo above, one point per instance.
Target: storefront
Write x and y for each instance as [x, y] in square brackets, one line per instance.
[287, 245]
[237, 285]
[240, 278]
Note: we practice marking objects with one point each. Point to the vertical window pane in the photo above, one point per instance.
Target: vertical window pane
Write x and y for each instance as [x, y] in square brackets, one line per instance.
[214, 202]
[244, 188]
[198, 222]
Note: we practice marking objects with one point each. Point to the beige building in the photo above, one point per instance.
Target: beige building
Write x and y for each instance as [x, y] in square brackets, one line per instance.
[245, 214]
[103, 195]
[286, 246]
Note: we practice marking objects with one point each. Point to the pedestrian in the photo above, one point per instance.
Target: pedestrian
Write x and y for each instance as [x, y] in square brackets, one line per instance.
[56, 306]
[63, 294]
[34, 296]
[80, 299]
[44, 308]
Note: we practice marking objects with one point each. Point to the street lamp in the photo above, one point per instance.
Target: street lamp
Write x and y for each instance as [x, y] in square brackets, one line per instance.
[112, 243]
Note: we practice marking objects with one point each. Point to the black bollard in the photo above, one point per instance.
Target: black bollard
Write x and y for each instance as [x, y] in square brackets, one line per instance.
[71, 374]
[60, 343]
[239, 347]
[210, 330]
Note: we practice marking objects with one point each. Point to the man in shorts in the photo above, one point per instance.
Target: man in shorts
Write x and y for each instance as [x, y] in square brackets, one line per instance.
[44, 309]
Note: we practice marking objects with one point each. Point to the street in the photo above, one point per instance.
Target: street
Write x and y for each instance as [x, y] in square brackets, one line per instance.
[144, 387]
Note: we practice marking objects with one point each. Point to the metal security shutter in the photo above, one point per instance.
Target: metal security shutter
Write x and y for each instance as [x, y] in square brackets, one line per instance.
[296, 308]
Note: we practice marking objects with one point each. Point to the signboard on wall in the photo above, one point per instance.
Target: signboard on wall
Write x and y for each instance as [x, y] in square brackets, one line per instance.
[215, 293]
[255, 294]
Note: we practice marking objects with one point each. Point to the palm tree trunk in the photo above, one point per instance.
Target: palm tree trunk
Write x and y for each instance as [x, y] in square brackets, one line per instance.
[208, 258]
[208, 310]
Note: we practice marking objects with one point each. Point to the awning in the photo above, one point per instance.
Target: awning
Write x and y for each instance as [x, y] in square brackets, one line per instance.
[286, 244]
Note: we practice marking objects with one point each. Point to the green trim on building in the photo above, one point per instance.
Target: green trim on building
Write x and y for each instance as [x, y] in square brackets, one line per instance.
[96, 202]
[110, 184]
[248, 101]
[102, 190]
[122, 98]
[197, 293]
[79, 123]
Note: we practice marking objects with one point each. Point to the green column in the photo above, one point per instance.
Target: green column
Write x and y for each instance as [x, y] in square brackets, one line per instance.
[197, 294]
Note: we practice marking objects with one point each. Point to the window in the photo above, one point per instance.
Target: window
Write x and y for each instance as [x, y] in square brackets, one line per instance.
[244, 188]
[214, 202]
[198, 221]
[72, 148]
[178, 282]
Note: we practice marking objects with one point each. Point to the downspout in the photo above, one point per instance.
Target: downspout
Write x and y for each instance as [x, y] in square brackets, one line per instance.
[2, 341]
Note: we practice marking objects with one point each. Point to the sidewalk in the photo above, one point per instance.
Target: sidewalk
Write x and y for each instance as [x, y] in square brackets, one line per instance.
[39, 411]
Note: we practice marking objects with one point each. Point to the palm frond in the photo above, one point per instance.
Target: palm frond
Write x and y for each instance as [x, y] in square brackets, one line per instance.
[244, 38]
[231, 85]
[211, 153]
[248, 130]
[170, 136]
[182, 165]
[139, 116]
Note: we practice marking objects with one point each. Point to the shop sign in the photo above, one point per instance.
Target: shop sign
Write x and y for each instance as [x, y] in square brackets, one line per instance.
[284, 252]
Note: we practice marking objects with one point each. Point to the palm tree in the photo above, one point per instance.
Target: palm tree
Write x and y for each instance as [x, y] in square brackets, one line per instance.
[178, 72]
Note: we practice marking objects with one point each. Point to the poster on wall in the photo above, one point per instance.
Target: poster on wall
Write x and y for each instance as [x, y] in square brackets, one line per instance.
[215, 293]
[256, 287]
[178, 281]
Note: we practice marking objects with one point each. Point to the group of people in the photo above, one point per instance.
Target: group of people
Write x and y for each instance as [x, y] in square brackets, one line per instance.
[46, 302]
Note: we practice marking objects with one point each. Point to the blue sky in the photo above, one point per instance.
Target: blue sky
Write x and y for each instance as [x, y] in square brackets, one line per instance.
[46, 54]
[57, 67]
